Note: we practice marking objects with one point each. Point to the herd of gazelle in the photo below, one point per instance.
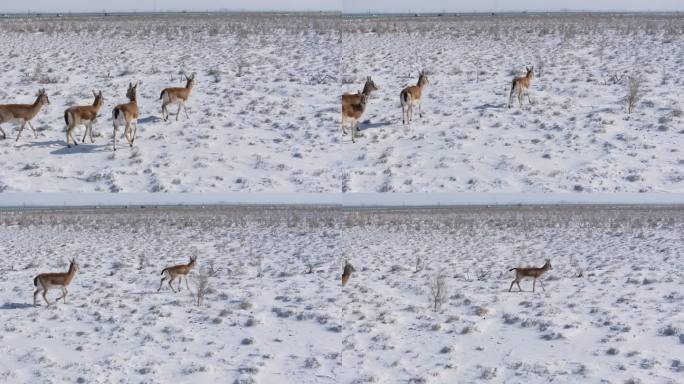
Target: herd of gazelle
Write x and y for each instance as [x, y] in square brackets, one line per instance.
[122, 115]
[354, 104]
[520, 273]
[61, 280]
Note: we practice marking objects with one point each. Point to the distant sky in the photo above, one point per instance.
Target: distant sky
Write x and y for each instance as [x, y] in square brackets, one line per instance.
[167, 5]
[355, 6]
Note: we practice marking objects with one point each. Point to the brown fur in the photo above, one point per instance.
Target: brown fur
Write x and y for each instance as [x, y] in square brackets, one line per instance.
[23, 113]
[177, 96]
[354, 105]
[535, 273]
[47, 281]
[520, 86]
[129, 113]
[410, 96]
[347, 272]
[84, 114]
[180, 271]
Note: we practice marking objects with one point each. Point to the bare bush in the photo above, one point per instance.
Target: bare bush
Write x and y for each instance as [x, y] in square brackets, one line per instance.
[634, 92]
[202, 285]
[438, 292]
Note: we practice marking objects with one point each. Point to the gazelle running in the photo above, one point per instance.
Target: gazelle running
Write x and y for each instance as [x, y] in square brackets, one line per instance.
[23, 113]
[127, 114]
[535, 273]
[346, 273]
[520, 86]
[410, 97]
[353, 106]
[177, 96]
[82, 115]
[47, 281]
[178, 271]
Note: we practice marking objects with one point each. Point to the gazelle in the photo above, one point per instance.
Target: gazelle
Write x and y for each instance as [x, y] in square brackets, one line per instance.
[346, 273]
[353, 113]
[177, 96]
[23, 113]
[520, 86]
[127, 114]
[535, 273]
[350, 100]
[47, 281]
[83, 115]
[178, 271]
[410, 97]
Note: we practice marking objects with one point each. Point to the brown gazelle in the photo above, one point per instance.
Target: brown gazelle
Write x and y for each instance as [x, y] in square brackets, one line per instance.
[46, 281]
[82, 115]
[535, 273]
[354, 104]
[410, 97]
[127, 114]
[177, 271]
[346, 273]
[353, 113]
[521, 86]
[177, 96]
[23, 113]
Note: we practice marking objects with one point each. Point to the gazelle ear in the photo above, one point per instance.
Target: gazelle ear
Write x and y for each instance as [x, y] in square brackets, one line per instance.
[130, 85]
[94, 93]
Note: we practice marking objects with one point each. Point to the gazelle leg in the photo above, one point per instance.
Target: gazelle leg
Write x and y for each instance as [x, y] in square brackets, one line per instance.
[528, 98]
[511, 287]
[116, 133]
[164, 112]
[21, 129]
[520, 98]
[35, 294]
[180, 280]
[420, 109]
[403, 115]
[185, 109]
[518, 283]
[186, 283]
[33, 129]
[534, 282]
[4, 136]
[178, 113]
[160, 283]
[170, 285]
[45, 296]
[84, 134]
[542, 286]
[134, 129]
[91, 133]
[127, 130]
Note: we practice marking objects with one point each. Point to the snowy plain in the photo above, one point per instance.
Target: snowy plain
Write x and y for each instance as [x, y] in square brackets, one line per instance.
[610, 311]
[269, 316]
[261, 112]
[576, 137]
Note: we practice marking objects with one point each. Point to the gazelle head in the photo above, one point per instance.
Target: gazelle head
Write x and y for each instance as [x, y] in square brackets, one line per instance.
[98, 98]
[530, 72]
[42, 97]
[423, 79]
[369, 86]
[192, 261]
[190, 80]
[132, 91]
[73, 266]
[548, 264]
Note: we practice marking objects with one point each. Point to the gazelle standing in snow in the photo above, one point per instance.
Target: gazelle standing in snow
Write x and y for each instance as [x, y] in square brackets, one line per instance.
[177, 96]
[23, 113]
[47, 281]
[411, 96]
[83, 115]
[355, 104]
[520, 86]
[535, 273]
[178, 271]
[347, 272]
[127, 114]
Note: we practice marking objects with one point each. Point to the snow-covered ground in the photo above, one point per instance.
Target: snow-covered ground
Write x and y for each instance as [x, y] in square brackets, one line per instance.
[620, 320]
[261, 114]
[283, 326]
[611, 311]
[576, 137]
